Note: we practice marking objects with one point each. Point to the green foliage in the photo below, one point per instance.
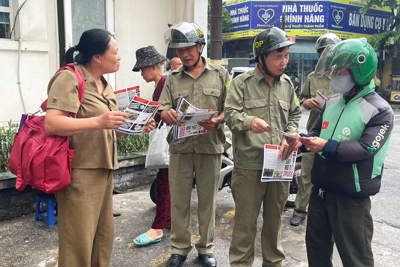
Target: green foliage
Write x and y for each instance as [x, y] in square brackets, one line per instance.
[131, 144]
[6, 138]
[226, 19]
[388, 41]
[127, 145]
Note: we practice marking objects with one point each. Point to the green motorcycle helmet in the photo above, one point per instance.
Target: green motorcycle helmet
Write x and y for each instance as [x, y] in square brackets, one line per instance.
[185, 34]
[270, 40]
[357, 55]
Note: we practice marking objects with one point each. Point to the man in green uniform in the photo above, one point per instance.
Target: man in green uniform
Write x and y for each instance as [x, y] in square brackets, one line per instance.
[309, 100]
[258, 105]
[199, 156]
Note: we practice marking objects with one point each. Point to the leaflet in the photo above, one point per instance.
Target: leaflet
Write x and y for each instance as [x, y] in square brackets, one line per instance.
[274, 169]
[188, 118]
[140, 111]
[321, 99]
[289, 135]
[124, 96]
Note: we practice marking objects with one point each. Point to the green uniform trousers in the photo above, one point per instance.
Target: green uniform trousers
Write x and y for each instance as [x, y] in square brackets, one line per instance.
[85, 219]
[205, 168]
[304, 185]
[249, 193]
[344, 220]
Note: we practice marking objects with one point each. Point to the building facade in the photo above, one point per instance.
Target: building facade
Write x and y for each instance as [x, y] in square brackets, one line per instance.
[34, 34]
[304, 21]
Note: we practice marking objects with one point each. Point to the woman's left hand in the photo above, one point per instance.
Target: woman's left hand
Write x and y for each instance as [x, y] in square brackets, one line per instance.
[150, 126]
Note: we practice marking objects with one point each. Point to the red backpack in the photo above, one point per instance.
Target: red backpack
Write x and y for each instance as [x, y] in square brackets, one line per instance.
[41, 160]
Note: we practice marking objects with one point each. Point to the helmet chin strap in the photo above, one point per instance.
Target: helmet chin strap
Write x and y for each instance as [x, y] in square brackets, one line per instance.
[264, 68]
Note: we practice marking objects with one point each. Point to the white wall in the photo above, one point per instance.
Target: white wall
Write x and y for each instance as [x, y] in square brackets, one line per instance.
[38, 42]
[137, 23]
[143, 22]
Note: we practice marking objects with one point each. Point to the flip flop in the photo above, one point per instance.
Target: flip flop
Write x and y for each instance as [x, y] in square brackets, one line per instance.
[144, 240]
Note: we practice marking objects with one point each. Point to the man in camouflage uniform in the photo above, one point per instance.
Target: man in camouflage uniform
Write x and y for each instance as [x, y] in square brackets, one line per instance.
[312, 84]
[199, 156]
[258, 103]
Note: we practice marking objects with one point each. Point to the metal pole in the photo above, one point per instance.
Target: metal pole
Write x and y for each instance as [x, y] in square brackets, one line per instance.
[216, 29]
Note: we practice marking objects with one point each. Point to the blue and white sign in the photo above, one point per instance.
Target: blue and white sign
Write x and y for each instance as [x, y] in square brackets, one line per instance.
[349, 18]
[305, 18]
[240, 15]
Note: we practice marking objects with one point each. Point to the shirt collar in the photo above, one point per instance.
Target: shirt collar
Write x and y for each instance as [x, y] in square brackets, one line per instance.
[260, 76]
[207, 67]
[258, 73]
[89, 77]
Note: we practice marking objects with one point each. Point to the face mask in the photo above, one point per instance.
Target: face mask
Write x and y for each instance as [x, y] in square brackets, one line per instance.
[341, 83]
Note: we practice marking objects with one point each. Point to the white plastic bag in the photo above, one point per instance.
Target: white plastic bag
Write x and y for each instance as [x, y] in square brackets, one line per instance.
[158, 152]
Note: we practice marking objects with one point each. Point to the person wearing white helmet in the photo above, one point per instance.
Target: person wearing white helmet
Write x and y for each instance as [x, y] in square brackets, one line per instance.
[198, 156]
[309, 100]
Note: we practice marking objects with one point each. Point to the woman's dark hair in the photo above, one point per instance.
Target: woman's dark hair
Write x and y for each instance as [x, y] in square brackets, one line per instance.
[92, 42]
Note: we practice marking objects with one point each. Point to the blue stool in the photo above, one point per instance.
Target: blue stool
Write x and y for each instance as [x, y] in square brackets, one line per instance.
[46, 209]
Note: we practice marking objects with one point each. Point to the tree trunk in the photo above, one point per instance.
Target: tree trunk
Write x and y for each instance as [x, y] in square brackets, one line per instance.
[216, 29]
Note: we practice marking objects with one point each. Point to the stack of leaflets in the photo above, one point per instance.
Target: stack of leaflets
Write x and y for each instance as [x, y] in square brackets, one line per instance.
[188, 118]
[275, 169]
[140, 112]
[124, 96]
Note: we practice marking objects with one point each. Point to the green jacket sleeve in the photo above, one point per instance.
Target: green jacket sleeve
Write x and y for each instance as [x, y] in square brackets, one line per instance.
[235, 118]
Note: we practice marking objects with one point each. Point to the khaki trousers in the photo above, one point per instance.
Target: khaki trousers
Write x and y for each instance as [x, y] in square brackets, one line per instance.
[304, 185]
[85, 219]
[249, 193]
[182, 169]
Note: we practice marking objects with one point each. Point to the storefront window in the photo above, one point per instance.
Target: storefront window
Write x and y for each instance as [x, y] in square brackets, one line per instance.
[5, 11]
[87, 14]
[300, 65]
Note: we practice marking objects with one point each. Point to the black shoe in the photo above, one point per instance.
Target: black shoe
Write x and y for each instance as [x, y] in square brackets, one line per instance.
[296, 220]
[207, 260]
[175, 260]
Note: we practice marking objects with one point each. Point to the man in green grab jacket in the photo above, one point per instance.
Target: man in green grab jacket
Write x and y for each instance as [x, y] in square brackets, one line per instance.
[258, 103]
[350, 140]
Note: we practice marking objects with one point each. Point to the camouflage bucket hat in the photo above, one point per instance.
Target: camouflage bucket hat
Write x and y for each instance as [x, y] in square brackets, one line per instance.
[146, 57]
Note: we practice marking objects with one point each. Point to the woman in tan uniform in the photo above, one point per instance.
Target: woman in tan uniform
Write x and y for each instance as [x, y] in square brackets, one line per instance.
[85, 220]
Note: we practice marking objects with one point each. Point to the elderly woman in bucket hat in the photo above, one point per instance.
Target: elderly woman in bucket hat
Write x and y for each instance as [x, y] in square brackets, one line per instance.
[151, 64]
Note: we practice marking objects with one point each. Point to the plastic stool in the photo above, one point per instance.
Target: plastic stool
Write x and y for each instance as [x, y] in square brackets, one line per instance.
[46, 209]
